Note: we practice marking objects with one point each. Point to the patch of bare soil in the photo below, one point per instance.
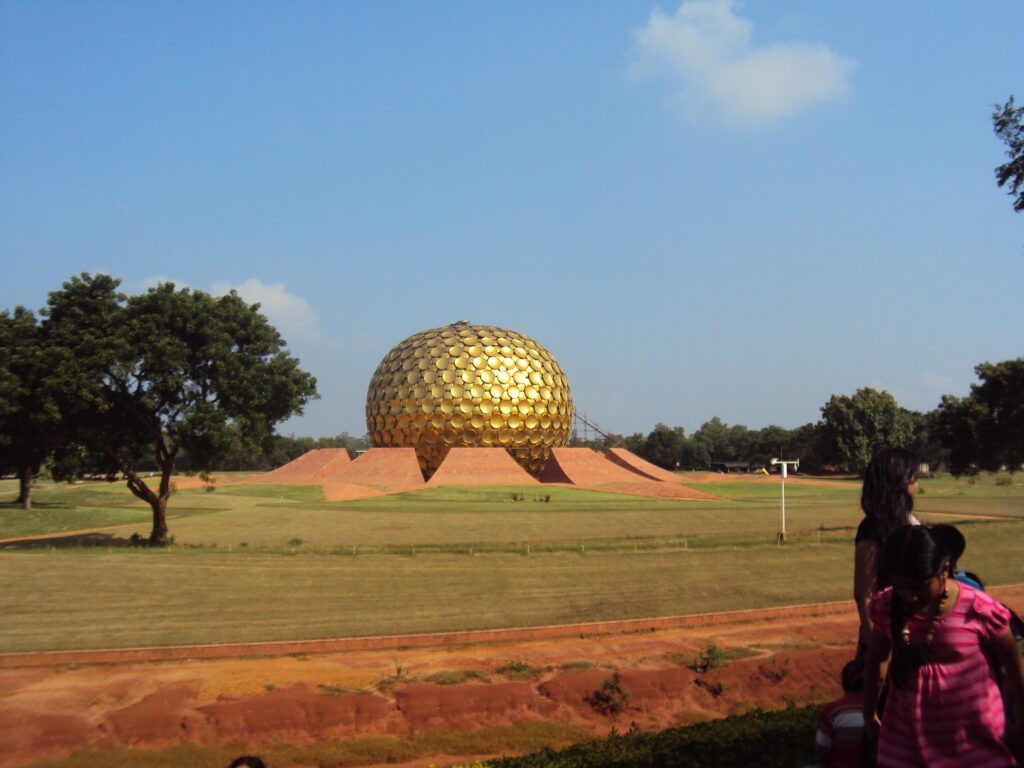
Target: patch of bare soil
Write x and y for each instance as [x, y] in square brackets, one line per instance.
[602, 681]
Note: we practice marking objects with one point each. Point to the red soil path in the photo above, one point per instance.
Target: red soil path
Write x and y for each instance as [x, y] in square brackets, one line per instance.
[480, 466]
[47, 711]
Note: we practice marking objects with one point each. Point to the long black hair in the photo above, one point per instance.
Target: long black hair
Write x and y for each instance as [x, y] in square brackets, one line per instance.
[916, 552]
[884, 496]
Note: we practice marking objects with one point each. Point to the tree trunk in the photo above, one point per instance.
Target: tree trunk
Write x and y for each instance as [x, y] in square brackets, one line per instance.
[159, 533]
[25, 487]
[156, 501]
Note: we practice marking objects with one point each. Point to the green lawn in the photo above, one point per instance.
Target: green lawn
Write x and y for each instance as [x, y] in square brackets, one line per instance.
[440, 559]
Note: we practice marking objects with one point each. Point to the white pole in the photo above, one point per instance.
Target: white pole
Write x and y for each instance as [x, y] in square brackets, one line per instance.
[783, 500]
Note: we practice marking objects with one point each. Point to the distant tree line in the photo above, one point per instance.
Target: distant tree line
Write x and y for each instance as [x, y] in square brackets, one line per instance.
[983, 431]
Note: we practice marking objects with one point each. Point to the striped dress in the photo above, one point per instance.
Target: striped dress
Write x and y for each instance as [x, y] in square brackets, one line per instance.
[952, 714]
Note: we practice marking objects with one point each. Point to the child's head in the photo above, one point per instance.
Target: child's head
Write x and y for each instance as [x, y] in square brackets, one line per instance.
[917, 560]
[890, 482]
[247, 761]
[853, 676]
[916, 552]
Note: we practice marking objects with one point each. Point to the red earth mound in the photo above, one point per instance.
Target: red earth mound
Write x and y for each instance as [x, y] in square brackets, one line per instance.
[634, 463]
[586, 468]
[308, 468]
[480, 466]
[383, 470]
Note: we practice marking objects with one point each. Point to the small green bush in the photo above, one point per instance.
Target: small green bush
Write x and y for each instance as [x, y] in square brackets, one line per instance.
[710, 657]
[455, 676]
[517, 669]
[609, 699]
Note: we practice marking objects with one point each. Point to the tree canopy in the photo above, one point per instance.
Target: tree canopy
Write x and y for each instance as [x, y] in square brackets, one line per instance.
[985, 430]
[1008, 123]
[171, 370]
[857, 426]
[26, 437]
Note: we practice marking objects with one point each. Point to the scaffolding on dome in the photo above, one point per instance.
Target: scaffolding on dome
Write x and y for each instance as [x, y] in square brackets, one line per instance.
[580, 422]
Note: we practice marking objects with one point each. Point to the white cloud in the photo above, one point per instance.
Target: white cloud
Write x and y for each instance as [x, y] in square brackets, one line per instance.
[707, 50]
[290, 314]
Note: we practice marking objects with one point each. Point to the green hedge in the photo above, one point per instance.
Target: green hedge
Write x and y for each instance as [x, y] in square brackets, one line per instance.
[780, 739]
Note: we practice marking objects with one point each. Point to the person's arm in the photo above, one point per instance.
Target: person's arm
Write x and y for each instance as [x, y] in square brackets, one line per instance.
[876, 663]
[823, 739]
[865, 578]
[1007, 653]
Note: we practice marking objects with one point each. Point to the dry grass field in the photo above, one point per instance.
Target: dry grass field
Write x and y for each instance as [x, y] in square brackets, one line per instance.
[256, 562]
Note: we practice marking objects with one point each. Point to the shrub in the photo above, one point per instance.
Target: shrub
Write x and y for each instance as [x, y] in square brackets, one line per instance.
[710, 657]
[517, 669]
[781, 739]
[609, 699]
[455, 676]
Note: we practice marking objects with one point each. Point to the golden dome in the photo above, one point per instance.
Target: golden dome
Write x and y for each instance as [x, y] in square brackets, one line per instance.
[470, 385]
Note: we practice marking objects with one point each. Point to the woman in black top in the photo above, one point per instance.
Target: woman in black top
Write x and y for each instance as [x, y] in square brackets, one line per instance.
[887, 499]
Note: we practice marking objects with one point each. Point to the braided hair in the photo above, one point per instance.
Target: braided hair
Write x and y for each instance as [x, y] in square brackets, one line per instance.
[918, 552]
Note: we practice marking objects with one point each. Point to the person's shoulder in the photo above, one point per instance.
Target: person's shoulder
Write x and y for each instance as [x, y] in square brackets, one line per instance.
[879, 607]
[982, 607]
[882, 598]
[978, 600]
[868, 530]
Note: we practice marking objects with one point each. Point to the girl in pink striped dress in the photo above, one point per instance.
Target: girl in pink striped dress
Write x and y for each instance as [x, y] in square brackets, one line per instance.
[943, 706]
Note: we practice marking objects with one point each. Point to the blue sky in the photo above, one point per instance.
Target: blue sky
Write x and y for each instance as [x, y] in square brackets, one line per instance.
[713, 208]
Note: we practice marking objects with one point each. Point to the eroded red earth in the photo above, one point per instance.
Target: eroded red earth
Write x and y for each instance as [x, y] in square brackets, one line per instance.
[48, 711]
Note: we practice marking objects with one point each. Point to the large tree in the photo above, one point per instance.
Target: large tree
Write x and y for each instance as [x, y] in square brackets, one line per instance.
[152, 375]
[664, 446]
[26, 437]
[985, 430]
[855, 427]
[1008, 122]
